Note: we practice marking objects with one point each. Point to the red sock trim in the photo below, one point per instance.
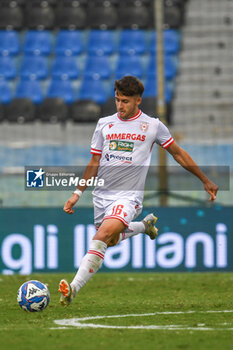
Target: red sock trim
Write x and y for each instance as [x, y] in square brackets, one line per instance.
[95, 252]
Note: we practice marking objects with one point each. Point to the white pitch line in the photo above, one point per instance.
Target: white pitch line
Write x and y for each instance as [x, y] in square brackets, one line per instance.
[77, 322]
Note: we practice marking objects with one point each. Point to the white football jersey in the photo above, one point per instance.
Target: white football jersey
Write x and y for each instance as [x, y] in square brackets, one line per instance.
[125, 146]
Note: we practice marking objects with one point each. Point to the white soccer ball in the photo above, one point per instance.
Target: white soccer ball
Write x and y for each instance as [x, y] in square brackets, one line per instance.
[33, 296]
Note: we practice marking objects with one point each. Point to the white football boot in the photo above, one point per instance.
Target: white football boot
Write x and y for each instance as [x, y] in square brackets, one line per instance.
[150, 229]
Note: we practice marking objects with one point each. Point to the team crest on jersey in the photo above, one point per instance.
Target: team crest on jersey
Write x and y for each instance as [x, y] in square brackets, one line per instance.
[144, 126]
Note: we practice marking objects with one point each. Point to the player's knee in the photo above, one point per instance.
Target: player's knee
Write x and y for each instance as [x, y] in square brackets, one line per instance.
[103, 235]
[107, 236]
[113, 241]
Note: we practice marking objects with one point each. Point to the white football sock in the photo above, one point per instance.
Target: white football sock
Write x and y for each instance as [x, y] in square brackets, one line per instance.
[134, 229]
[89, 265]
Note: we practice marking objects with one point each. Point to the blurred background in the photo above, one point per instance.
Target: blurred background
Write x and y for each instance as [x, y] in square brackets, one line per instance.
[58, 63]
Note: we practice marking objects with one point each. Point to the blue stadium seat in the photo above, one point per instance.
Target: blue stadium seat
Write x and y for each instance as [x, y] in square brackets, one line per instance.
[34, 67]
[171, 41]
[61, 88]
[97, 67]
[129, 65]
[132, 42]
[29, 89]
[92, 89]
[170, 67]
[69, 42]
[7, 67]
[5, 92]
[101, 42]
[65, 67]
[38, 42]
[151, 89]
[9, 42]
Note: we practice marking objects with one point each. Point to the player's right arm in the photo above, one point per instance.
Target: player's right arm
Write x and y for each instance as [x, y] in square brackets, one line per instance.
[90, 171]
[184, 159]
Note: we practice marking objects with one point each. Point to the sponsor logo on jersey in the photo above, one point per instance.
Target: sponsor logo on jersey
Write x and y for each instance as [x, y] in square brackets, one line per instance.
[123, 159]
[124, 136]
[144, 126]
[116, 145]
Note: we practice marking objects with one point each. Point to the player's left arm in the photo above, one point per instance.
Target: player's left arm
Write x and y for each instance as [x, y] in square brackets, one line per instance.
[185, 160]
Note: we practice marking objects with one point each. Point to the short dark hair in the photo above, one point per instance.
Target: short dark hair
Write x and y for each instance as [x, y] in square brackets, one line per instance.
[129, 86]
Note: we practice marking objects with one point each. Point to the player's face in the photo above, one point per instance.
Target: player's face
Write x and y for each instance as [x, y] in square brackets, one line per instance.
[127, 106]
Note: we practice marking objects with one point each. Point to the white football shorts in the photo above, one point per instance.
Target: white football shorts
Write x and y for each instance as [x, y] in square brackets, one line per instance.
[122, 209]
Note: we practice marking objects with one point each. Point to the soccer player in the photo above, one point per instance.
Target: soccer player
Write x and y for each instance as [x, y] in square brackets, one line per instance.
[121, 151]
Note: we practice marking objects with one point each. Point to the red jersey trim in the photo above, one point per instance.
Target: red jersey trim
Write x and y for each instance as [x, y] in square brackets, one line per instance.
[96, 151]
[132, 118]
[116, 217]
[168, 143]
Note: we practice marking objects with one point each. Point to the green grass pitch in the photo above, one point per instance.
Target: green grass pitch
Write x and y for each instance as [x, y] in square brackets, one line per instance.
[162, 311]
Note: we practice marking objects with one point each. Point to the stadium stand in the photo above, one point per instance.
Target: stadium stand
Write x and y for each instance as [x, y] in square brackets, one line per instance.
[204, 86]
[72, 45]
[65, 55]
[57, 128]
